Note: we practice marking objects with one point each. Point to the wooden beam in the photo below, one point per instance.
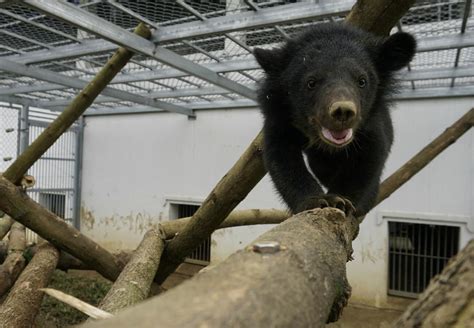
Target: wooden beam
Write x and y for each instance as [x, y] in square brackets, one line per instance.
[426, 155]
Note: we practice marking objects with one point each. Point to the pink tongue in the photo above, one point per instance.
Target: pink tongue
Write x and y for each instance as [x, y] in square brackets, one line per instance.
[339, 134]
[337, 137]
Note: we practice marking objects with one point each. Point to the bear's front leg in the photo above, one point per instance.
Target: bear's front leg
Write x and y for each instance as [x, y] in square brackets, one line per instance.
[285, 164]
[327, 200]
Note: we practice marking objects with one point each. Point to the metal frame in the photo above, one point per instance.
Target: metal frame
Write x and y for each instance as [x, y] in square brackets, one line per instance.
[164, 76]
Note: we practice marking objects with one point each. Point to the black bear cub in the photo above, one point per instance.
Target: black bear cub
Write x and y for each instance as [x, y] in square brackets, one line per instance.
[326, 95]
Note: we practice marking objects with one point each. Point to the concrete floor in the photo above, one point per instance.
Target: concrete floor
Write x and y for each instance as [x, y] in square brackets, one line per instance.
[355, 316]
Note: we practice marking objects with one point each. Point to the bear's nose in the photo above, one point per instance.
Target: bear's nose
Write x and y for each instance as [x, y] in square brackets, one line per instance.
[343, 111]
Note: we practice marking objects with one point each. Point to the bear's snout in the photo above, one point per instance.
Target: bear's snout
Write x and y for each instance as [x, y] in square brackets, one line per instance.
[343, 112]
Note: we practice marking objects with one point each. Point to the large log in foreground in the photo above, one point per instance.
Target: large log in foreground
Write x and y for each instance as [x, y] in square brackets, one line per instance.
[249, 169]
[449, 299]
[49, 226]
[22, 303]
[292, 276]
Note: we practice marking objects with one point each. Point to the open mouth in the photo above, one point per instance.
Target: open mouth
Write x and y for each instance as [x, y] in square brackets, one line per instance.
[338, 138]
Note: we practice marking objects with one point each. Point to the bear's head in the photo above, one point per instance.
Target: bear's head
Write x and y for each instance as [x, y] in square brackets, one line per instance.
[331, 78]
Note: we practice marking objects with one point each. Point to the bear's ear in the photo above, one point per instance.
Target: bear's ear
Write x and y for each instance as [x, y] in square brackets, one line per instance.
[272, 61]
[396, 52]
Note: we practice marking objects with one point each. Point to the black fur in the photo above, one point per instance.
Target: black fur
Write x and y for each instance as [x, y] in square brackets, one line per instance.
[325, 65]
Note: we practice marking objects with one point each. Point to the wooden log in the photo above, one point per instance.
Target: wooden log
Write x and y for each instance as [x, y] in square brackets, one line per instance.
[23, 302]
[234, 219]
[86, 308]
[449, 299]
[425, 156]
[292, 276]
[249, 169]
[378, 17]
[77, 107]
[54, 229]
[133, 284]
[5, 225]
[3, 250]
[14, 262]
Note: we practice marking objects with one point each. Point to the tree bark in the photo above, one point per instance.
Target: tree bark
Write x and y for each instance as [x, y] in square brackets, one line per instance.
[249, 169]
[378, 17]
[133, 284]
[22, 303]
[426, 155]
[449, 299]
[14, 262]
[234, 219]
[54, 229]
[292, 276]
[3, 250]
[5, 225]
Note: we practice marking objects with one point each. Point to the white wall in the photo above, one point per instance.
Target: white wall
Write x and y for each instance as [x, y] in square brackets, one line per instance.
[133, 164]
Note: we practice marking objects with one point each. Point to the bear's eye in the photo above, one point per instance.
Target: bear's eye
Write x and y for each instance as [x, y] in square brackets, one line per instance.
[362, 82]
[311, 84]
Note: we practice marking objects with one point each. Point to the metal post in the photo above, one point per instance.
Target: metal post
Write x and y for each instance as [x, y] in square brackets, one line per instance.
[78, 174]
[23, 129]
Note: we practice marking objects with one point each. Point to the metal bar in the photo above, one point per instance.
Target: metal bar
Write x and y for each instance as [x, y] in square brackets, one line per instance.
[50, 189]
[428, 93]
[191, 10]
[47, 158]
[46, 75]
[36, 24]
[246, 20]
[467, 11]
[418, 253]
[412, 257]
[201, 50]
[23, 129]
[109, 31]
[440, 73]
[173, 93]
[21, 37]
[139, 17]
[238, 65]
[252, 5]
[76, 216]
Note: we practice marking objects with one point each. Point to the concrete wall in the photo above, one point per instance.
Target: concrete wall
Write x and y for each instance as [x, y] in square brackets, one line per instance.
[136, 165]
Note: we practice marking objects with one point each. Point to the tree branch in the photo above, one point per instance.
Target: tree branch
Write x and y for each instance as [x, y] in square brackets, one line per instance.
[22, 303]
[133, 284]
[425, 156]
[448, 301]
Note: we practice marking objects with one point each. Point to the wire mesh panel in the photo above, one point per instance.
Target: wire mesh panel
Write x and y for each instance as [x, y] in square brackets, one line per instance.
[203, 252]
[418, 252]
[8, 136]
[54, 173]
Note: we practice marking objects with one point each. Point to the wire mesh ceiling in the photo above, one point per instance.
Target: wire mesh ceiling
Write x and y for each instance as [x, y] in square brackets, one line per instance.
[48, 48]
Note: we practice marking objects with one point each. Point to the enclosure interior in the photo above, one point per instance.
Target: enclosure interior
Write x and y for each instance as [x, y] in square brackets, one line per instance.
[192, 90]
